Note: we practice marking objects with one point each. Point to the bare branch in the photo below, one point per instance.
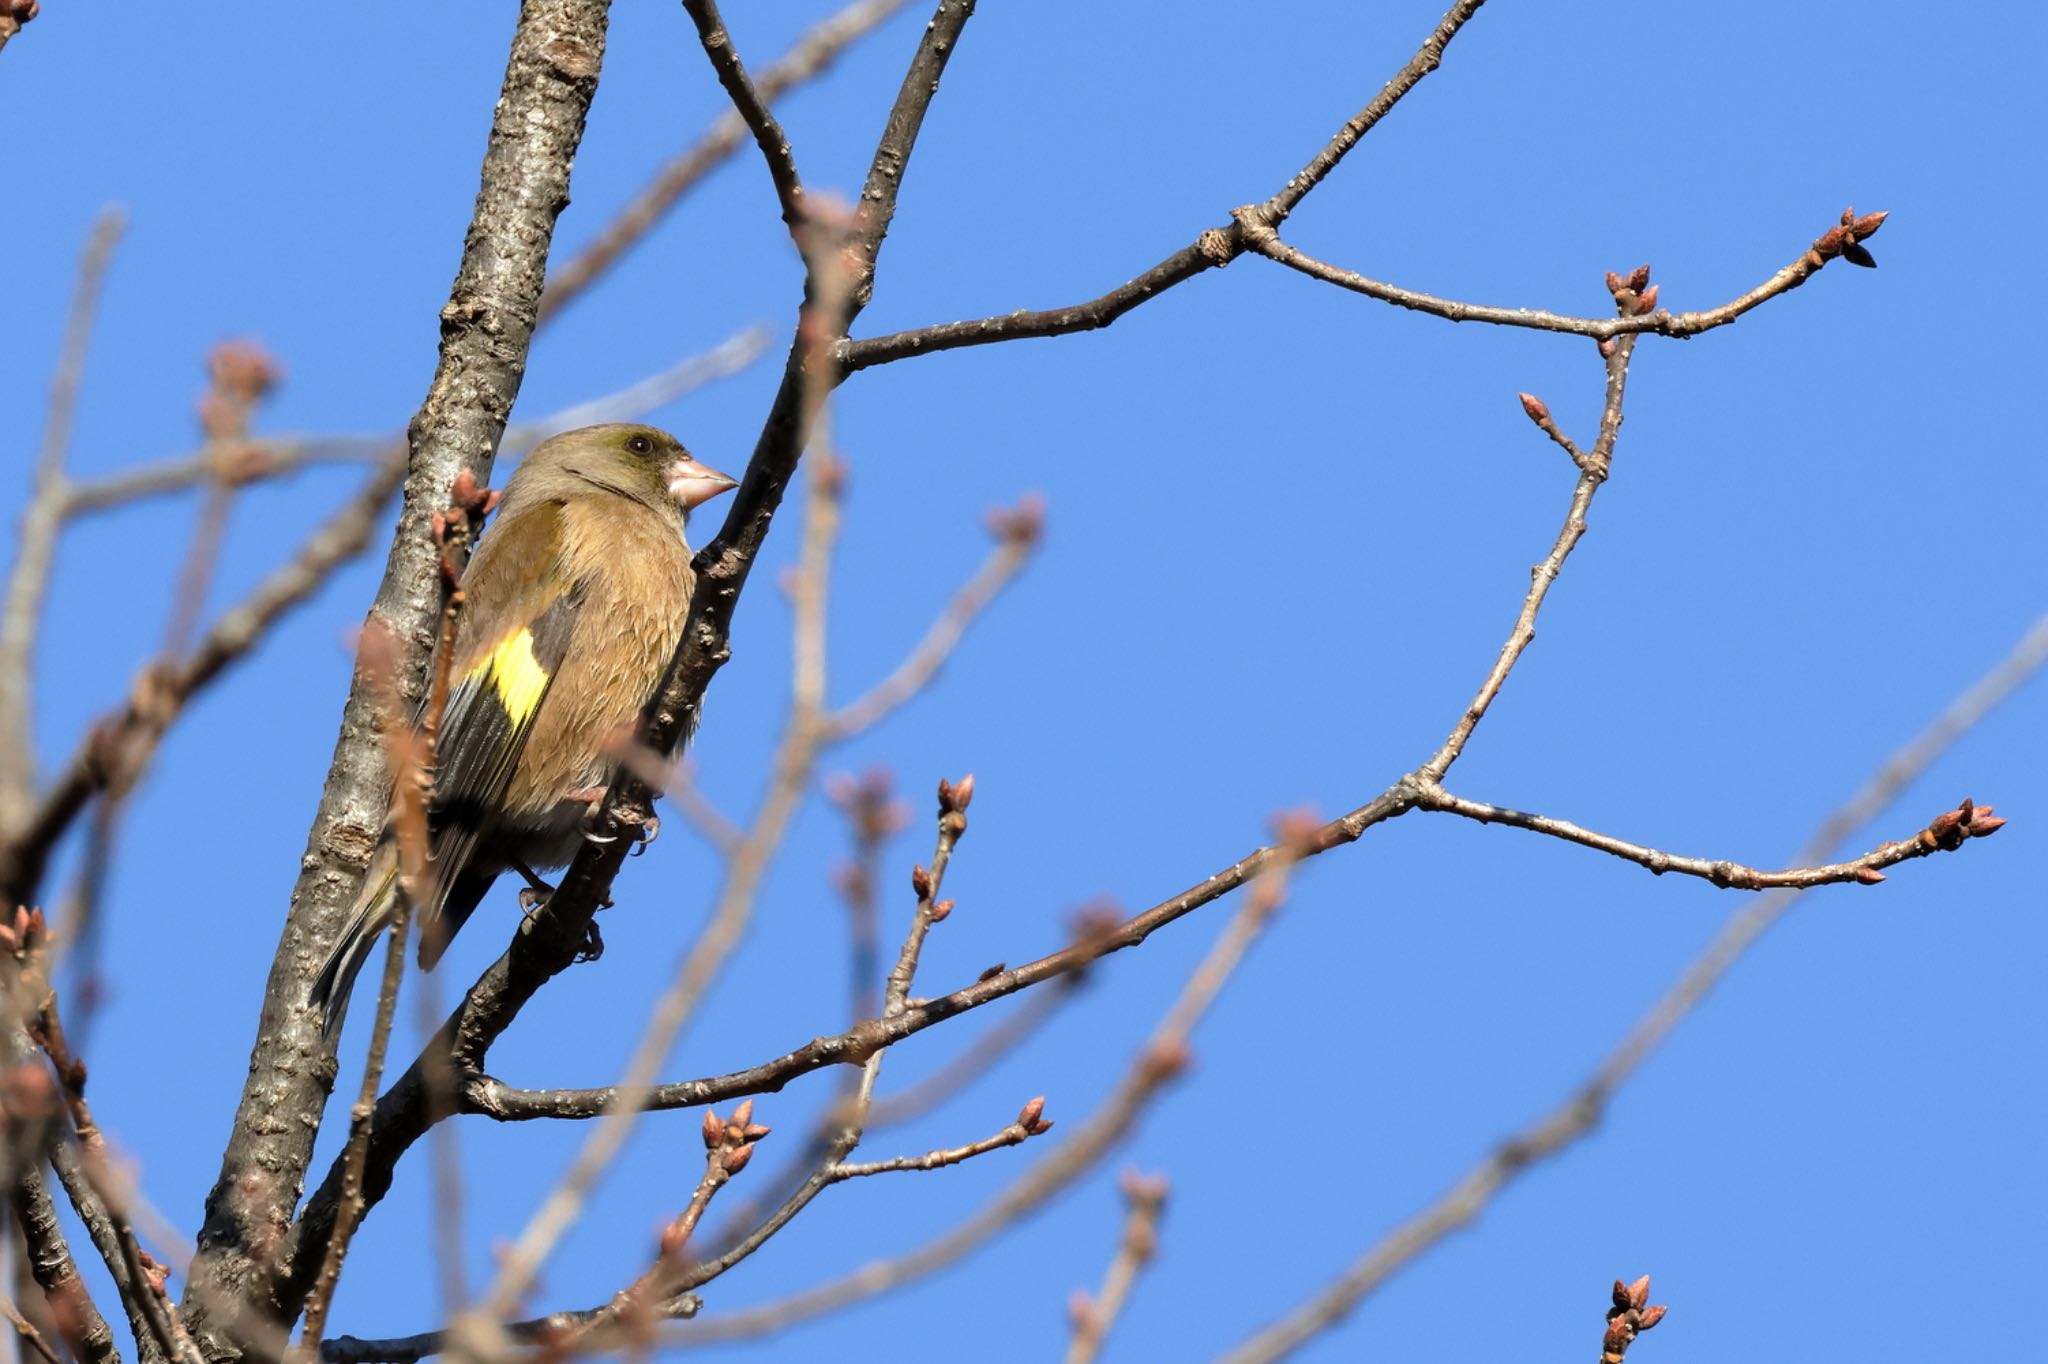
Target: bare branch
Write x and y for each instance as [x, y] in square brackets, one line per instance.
[1163, 1056]
[1592, 473]
[49, 1261]
[1216, 247]
[1145, 1200]
[748, 103]
[1945, 833]
[1581, 1111]
[1018, 534]
[33, 556]
[551, 74]
[1028, 1124]
[1653, 322]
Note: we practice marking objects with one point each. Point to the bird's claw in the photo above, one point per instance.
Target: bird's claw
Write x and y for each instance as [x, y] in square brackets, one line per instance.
[649, 831]
[593, 944]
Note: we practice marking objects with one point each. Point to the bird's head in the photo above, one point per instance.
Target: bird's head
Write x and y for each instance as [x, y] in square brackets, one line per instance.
[644, 463]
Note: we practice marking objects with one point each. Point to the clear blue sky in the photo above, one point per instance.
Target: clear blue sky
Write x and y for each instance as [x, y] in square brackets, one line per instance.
[1289, 528]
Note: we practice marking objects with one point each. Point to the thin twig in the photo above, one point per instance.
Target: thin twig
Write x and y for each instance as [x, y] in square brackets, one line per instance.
[29, 580]
[1581, 1111]
[25, 1330]
[1211, 249]
[1659, 322]
[1145, 1200]
[1939, 836]
[747, 101]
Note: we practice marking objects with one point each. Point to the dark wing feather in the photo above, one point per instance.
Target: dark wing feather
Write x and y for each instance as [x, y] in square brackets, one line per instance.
[507, 661]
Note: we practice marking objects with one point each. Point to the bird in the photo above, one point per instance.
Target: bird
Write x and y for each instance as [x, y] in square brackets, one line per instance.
[573, 604]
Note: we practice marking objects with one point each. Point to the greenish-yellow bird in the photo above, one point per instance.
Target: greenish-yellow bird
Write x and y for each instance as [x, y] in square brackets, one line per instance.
[573, 604]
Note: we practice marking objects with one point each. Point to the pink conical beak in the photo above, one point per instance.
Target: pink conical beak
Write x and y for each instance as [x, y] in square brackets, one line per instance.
[692, 484]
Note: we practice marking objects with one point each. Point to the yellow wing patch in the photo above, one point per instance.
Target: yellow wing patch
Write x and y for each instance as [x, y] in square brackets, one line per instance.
[515, 675]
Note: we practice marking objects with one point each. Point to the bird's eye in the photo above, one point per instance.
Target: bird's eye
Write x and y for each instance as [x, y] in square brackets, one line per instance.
[640, 445]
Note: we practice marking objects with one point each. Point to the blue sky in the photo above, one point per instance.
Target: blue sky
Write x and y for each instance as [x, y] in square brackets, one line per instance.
[1289, 528]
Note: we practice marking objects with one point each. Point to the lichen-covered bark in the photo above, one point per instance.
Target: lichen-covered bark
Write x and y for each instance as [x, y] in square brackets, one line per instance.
[485, 329]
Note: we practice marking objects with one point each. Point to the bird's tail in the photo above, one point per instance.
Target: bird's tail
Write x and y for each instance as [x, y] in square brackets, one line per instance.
[374, 910]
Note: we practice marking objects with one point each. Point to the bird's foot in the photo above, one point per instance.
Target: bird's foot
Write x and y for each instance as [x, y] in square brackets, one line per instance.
[593, 944]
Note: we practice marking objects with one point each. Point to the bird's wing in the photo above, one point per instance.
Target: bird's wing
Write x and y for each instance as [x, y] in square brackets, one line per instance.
[506, 658]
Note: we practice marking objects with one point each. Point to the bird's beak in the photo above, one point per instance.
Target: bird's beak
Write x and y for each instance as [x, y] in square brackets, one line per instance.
[692, 484]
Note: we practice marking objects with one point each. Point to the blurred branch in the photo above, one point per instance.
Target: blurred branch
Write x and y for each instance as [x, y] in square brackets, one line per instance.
[812, 55]
[35, 553]
[1212, 249]
[26, 1331]
[1144, 1200]
[1582, 1110]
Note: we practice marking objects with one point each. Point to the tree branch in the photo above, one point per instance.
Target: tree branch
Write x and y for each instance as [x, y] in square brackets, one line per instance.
[551, 74]
[1216, 247]
[748, 103]
[33, 556]
[1945, 833]
[1652, 322]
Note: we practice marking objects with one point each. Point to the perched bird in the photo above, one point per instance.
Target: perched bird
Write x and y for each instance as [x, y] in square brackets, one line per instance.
[574, 602]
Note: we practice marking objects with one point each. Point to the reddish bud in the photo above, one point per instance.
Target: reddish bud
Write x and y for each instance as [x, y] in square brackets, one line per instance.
[1829, 243]
[1848, 216]
[1646, 302]
[737, 1158]
[1615, 283]
[744, 1114]
[1866, 227]
[1607, 349]
[1984, 828]
[963, 792]
[1856, 255]
[921, 881]
[1639, 1292]
[1618, 1336]
[1869, 876]
[941, 910]
[1029, 1114]
[714, 1129]
[754, 1131]
[674, 1237]
[1948, 819]
[1538, 410]
[1620, 1296]
[1651, 1316]
[992, 972]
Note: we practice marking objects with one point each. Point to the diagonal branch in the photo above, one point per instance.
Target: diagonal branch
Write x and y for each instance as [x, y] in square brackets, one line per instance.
[752, 108]
[36, 550]
[1216, 247]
